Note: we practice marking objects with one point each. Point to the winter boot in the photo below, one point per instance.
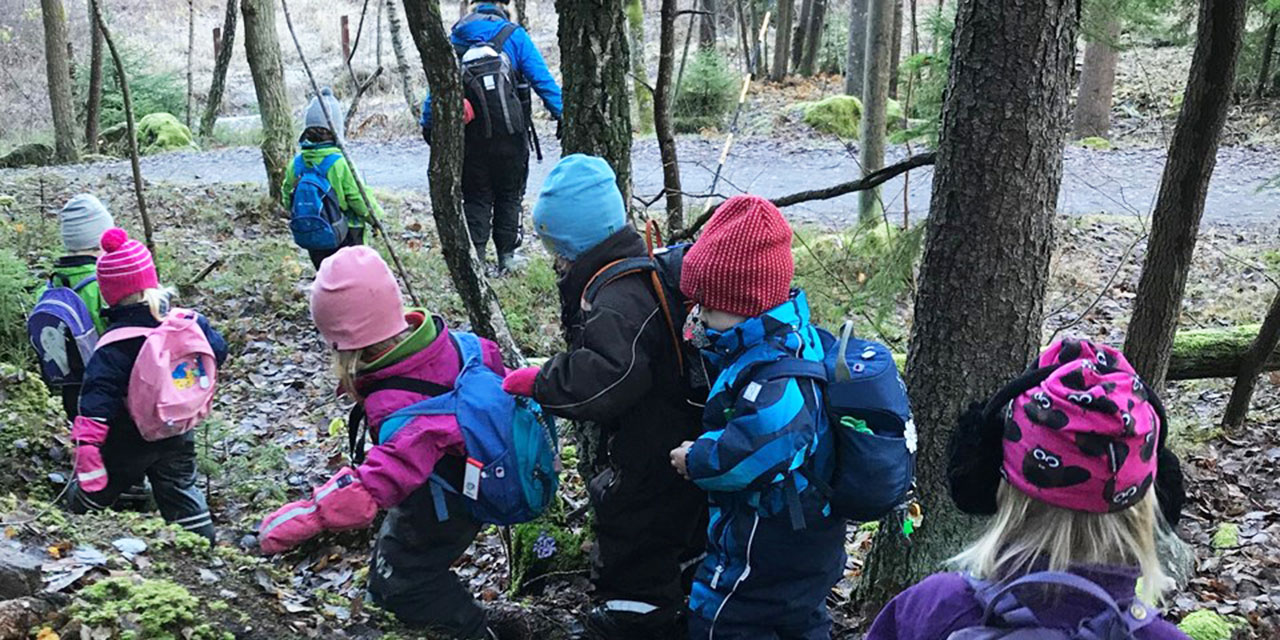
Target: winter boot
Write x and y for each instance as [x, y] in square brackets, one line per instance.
[614, 620]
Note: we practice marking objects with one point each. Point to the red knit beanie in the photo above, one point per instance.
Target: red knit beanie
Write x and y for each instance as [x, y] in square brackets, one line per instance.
[741, 264]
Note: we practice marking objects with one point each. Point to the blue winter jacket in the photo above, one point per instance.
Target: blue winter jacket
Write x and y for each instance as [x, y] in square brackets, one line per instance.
[525, 58]
[106, 377]
[773, 549]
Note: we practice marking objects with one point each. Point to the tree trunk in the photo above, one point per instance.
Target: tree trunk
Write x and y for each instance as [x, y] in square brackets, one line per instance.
[191, 49]
[999, 166]
[93, 102]
[662, 117]
[262, 50]
[875, 99]
[402, 63]
[855, 63]
[445, 171]
[800, 32]
[521, 17]
[219, 82]
[59, 77]
[895, 45]
[707, 25]
[643, 106]
[1251, 367]
[1193, 151]
[1216, 353]
[782, 43]
[597, 114]
[1264, 71]
[1097, 82]
[813, 39]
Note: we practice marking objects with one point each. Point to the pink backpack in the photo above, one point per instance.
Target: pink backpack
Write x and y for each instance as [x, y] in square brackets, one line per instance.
[171, 387]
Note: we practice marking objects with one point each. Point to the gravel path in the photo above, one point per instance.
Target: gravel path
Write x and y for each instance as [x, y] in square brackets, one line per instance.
[1117, 181]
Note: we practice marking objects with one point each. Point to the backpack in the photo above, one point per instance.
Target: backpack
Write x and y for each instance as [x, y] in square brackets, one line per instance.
[316, 220]
[663, 266]
[869, 415]
[489, 82]
[174, 376]
[62, 332]
[511, 471]
[1005, 618]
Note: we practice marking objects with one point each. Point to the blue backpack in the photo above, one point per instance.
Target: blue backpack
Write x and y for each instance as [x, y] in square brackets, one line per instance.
[61, 330]
[316, 220]
[1004, 617]
[870, 417]
[511, 471]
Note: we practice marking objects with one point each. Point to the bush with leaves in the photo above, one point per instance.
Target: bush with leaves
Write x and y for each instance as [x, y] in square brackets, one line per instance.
[706, 93]
[152, 91]
[923, 81]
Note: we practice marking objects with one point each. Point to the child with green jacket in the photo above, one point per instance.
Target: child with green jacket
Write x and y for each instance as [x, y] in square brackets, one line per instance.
[317, 143]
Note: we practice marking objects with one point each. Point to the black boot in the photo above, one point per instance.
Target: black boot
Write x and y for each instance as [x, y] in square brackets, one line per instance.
[606, 622]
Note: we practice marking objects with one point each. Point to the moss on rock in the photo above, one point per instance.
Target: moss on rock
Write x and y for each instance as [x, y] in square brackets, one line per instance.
[158, 132]
[158, 609]
[28, 155]
[1226, 536]
[1208, 625]
[1096, 143]
[543, 546]
[837, 115]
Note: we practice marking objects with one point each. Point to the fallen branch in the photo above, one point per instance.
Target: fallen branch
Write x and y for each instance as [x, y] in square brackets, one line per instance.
[869, 181]
[355, 100]
[204, 273]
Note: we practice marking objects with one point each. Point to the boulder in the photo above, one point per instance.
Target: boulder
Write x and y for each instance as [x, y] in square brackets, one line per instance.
[158, 132]
[19, 574]
[28, 155]
[18, 616]
[838, 115]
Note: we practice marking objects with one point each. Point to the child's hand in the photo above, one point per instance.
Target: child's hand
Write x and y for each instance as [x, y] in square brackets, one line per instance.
[521, 381]
[678, 457]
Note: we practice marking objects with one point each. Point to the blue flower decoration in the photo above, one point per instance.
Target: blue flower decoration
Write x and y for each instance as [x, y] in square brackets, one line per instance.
[544, 547]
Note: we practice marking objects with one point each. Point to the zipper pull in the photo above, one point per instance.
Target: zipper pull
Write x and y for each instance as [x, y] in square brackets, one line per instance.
[715, 577]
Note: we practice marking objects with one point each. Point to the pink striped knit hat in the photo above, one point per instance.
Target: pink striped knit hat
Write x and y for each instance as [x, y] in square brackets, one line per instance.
[126, 267]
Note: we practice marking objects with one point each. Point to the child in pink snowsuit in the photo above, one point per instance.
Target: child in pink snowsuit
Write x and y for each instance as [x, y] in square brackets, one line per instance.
[388, 358]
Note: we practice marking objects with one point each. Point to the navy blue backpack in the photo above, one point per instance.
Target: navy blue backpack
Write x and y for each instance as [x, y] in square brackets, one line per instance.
[870, 417]
[315, 218]
[61, 330]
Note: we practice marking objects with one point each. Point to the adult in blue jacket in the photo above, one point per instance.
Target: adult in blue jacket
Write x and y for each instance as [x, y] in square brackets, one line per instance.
[495, 164]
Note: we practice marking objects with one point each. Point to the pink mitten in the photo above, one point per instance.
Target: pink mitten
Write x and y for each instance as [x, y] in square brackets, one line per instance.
[340, 503]
[468, 112]
[289, 526]
[90, 472]
[520, 382]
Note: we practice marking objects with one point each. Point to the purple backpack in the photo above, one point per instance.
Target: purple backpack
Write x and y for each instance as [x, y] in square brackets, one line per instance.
[1005, 618]
[61, 330]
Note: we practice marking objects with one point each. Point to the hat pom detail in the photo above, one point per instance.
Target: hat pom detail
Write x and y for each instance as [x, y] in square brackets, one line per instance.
[114, 238]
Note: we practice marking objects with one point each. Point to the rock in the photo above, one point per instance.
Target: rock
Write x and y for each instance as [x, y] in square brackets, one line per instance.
[27, 155]
[838, 115]
[18, 616]
[159, 132]
[130, 546]
[19, 574]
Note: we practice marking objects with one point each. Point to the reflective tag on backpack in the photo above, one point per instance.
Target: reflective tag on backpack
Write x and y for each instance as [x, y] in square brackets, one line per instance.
[471, 479]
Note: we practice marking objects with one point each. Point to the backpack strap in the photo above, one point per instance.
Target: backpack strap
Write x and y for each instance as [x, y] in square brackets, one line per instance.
[327, 164]
[123, 333]
[625, 267]
[298, 166]
[84, 283]
[500, 39]
[357, 417]
[1001, 604]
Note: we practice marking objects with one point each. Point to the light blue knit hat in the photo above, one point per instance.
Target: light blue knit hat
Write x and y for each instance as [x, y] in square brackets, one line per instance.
[579, 207]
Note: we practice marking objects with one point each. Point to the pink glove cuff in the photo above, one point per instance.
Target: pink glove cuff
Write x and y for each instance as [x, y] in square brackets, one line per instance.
[88, 431]
[344, 503]
[521, 381]
[91, 473]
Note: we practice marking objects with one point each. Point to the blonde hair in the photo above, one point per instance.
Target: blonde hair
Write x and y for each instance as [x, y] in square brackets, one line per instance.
[348, 363]
[157, 298]
[1026, 534]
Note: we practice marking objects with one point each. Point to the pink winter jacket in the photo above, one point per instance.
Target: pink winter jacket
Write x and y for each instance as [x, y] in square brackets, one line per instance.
[395, 469]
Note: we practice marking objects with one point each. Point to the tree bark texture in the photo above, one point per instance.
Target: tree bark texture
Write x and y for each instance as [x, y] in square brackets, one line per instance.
[402, 62]
[813, 39]
[978, 312]
[191, 50]
[93, 101]
[220, 64]
[707, 25]
[59, 77]
[262, 50]
[875, 103]
[895, 45]
[1097, 82]
[643, 106]
[1251, 365]
[662, 117]
[855, 67]
[782, 42]
[800, 32]
[521, 11]
[1193, 151]
[445, 170]
[597, 114]
[1264, 70]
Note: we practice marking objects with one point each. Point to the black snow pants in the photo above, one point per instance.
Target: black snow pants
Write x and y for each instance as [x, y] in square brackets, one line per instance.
[494, 173]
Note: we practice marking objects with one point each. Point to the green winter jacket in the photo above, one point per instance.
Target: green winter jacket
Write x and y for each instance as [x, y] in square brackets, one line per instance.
[340, 177]
[69, 271]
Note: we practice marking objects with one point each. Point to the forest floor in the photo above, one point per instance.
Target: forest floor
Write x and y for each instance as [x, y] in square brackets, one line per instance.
[271, 435]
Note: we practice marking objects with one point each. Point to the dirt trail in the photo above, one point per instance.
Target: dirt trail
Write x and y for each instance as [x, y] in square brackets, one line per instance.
[1117, 181]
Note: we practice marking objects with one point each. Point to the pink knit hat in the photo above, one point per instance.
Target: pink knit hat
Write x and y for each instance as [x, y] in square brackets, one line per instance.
[742, 262]
[355, 301]
[126, 267]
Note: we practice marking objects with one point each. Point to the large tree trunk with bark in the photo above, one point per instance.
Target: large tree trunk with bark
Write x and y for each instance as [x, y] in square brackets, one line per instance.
[895, 46]
[978, 313]
[402, 61]
[855, 58]
[58, 74]
[643, 107]
[191, 51]
[875, 102]
[662, 117]
[445, 171]
[93, 101]
[782, 43]
[707, 25]
[800, 32]
[1264, 70]
[1193, 151]
[597, 109]
[220, 64]
[813, 37]
[1251, 365]
[1097, 82]
[262, 50]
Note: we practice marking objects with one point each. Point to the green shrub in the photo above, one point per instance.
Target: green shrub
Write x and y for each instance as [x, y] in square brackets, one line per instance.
[152, 91]
[706, 94]
[15, 302]
[924, 77]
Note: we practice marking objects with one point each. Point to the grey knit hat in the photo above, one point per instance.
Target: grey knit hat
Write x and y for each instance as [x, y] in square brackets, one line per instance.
[83, 220]
[315, 113]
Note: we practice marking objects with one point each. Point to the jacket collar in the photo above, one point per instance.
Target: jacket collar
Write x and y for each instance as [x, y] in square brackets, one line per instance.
[780, 325]
[625, 243]
[438, 362]
[130, 315]
[71, 262]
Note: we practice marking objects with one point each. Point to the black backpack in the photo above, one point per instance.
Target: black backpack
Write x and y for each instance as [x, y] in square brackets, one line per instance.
[490, 83]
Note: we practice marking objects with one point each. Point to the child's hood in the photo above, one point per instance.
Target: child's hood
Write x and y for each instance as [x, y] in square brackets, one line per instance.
[790, 317]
